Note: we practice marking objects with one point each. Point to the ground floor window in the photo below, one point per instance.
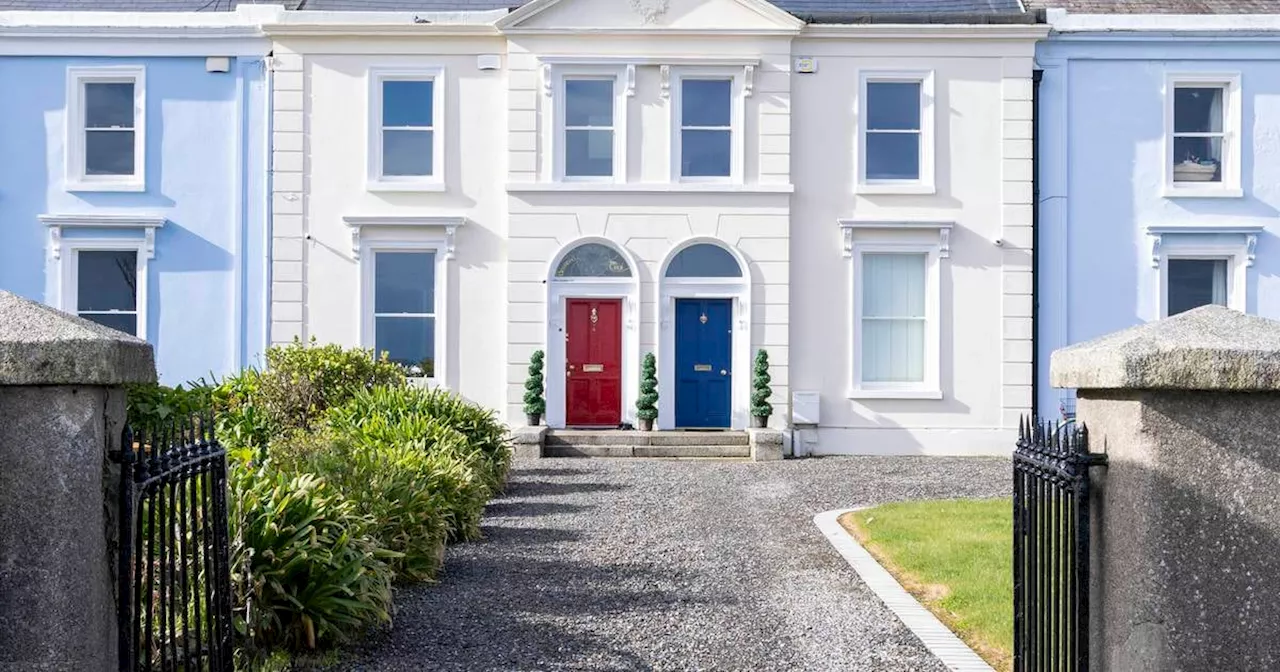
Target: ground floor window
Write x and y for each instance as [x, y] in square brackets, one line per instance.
[894, 295]
[1195, 282]
[893, 317]
[404, 308]
[106, 288]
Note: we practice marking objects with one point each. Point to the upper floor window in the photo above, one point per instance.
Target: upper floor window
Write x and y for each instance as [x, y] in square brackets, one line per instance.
[897, 133]
[105, 143]
[405, 151]
[1203, 143]
[589, 133]
[706, 128]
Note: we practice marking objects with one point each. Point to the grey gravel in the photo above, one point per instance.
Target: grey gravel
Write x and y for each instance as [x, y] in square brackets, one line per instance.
[597, 564]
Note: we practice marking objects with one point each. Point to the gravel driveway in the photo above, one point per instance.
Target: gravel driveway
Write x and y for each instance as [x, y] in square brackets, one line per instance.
[629, 564]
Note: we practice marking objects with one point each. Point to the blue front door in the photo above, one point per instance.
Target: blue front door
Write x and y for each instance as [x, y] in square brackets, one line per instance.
[704, 334]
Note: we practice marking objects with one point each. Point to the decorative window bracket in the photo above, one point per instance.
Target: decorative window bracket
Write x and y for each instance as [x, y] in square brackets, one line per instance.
[848, 226]
[146, 224]
[448, 224]
[1248, 238]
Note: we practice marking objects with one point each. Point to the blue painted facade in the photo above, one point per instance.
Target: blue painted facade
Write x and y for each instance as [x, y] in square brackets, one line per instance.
[206, 149]
[1102, 201]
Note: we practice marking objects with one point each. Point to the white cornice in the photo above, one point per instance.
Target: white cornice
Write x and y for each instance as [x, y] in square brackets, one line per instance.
[1249, 233]
[449, 224]
[379, 30]
[927, 31]
[785, 22]
[648, 188]
[147, 224]
[637, 59]
[848, 226]
[679, 32]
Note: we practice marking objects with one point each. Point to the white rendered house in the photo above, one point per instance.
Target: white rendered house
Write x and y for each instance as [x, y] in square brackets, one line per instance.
[699, 179]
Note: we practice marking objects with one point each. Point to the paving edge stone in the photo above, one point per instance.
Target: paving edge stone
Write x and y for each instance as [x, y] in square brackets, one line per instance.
[937, 638]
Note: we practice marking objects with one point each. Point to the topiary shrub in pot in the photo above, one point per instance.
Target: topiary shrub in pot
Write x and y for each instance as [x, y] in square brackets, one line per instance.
[534, 404]
[647, 404]
[761, 409]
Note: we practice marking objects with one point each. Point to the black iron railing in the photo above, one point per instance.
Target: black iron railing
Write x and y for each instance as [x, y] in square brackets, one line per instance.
[174, 574]
[1051, 547]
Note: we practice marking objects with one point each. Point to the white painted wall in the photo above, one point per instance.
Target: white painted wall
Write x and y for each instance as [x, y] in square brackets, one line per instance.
[499, 175]
[982, 107]
[329, 184]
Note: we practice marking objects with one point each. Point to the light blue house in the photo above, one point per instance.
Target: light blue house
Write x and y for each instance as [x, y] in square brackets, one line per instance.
[134, 181]
[1159, 169]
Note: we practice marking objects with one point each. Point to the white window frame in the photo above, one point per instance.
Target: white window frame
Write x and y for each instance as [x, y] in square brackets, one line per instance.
[77, 178]
[370, 235]
[1232, 126]
[932, 238]
[70, 273]
[737, 122]
[138, 234]
[924, 184]
[1234, 244]
[376, 181]
[559, 108]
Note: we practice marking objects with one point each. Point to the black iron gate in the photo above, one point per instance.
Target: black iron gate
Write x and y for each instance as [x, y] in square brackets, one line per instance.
[174, 573]
[1051, 547]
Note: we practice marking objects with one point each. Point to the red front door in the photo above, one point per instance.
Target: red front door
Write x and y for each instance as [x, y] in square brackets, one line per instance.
[593, 362]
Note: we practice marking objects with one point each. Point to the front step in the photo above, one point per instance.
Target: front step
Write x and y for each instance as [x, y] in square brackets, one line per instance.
[622, 443]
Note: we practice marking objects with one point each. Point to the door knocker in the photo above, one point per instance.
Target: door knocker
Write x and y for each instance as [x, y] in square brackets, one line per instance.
[703, 319]
[594, 316]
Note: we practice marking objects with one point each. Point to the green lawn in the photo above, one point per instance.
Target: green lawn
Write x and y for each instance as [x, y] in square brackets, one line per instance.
[955, 556]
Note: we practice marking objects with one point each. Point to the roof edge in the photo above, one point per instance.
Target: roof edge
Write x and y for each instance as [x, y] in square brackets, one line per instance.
[1062, 21]
[1033, 17]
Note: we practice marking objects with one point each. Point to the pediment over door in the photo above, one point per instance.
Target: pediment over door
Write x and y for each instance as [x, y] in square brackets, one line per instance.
[657, 15]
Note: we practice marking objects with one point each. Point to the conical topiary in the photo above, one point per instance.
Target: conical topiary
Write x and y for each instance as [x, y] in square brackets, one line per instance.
[647, 404]
[534, 404]
[760, 391]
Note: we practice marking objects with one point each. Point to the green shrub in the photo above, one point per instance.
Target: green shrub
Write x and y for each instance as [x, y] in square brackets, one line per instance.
[302, 381]
[150, 406]
[760, 390]
[305, 572]
[647, 404]
[414, 414]
[415, 498]
[534, 403]
[241, 423]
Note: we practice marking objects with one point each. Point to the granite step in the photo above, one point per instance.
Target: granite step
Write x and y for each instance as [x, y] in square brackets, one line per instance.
[632, 438]
[688, 451]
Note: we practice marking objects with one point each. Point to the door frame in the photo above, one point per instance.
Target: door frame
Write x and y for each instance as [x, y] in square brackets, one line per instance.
[736, 289]
[559, 290]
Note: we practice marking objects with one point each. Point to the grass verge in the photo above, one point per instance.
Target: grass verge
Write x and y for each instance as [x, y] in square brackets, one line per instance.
[955, 557]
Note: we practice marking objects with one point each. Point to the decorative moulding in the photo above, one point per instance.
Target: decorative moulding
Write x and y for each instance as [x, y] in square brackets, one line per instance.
[848, 226]
[147, 224]
[664, 75]
[664, 63]
[448, 224]
[631, 80]
[1249, 234]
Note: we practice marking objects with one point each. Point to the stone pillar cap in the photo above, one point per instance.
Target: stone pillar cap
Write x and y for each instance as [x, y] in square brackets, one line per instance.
[1208, 348]
[40, 345]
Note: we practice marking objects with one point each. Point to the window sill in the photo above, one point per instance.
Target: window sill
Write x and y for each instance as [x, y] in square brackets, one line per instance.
[1203, 192]
[81, 185]
[651, 188]
[894, 394]
[425, 187]
[918, 188]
